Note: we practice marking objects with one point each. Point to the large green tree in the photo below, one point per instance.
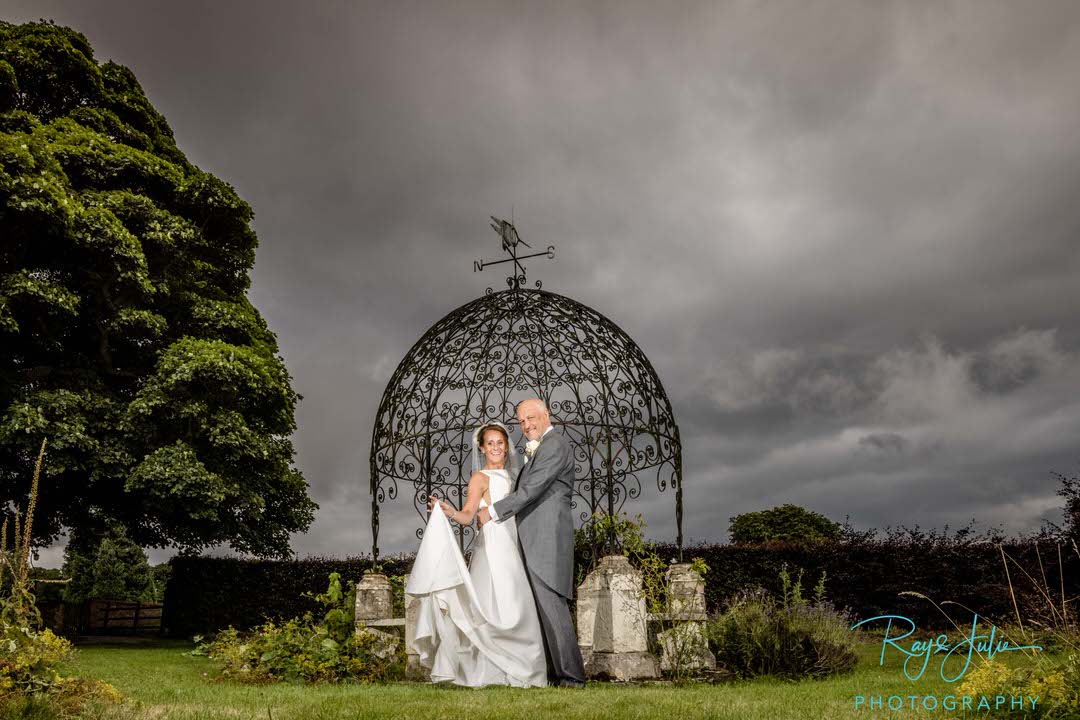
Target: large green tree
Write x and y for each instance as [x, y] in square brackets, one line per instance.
[126, 335]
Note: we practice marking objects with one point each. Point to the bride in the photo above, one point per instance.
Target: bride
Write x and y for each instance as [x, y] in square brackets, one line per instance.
[477, 626]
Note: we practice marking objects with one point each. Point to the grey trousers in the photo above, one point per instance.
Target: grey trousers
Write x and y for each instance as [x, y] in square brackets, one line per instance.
[564, 663]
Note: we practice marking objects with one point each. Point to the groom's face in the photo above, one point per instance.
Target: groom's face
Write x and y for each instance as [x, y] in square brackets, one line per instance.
[533, 420]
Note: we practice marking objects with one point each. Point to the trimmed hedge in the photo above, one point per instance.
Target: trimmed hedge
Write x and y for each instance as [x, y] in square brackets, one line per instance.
[867, 577]
[207, 594]
[863, 575]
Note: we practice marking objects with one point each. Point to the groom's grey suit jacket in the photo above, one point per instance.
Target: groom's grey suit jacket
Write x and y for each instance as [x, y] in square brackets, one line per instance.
[541, 503]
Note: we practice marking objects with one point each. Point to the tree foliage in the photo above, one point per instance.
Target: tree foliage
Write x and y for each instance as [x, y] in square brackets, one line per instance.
[789, 523]
[1070, 493]
[126, 335]
[115, 569]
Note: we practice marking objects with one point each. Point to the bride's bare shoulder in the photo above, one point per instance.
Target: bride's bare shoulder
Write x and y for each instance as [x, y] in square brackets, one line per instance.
[479, 477]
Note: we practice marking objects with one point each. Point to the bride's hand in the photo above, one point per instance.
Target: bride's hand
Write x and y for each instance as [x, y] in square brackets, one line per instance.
[448, 509]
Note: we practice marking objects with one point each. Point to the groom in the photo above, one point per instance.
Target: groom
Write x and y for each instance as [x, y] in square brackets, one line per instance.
[541, 503]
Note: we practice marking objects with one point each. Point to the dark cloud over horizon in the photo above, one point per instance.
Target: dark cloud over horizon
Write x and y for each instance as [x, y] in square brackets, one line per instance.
[845, 233]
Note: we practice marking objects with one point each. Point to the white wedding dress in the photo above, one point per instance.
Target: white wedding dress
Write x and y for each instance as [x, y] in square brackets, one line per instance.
[477, 626]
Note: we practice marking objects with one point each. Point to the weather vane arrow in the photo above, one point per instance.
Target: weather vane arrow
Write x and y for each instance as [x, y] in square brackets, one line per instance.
[510, 238]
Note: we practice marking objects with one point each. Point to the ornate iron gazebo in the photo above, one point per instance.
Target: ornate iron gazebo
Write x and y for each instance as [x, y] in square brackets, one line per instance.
[478, 362]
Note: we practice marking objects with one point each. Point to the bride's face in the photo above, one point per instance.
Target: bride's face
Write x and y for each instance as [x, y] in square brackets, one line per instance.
[494, 447]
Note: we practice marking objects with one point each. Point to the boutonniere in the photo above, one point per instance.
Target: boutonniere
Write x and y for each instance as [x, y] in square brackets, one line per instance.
[530, 447]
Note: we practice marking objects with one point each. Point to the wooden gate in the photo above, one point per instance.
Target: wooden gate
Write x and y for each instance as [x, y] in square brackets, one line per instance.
[119, 617]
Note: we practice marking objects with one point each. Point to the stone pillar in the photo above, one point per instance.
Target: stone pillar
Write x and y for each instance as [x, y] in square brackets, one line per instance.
[374, 599]
[616, 638]
[684, 647]
[375, 606]
[588, 598]
[413, 669]
[687, 592]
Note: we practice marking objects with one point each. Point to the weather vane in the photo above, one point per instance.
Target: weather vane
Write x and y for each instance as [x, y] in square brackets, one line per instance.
[510, 241]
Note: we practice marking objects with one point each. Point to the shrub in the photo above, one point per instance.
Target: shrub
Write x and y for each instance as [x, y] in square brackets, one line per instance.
[303, 650]
[787, 638]
[75, 698]
[29, 656]
[1056, 684]
[29, 659]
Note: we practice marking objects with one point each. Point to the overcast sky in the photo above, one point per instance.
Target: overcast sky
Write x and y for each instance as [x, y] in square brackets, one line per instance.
[847, 234]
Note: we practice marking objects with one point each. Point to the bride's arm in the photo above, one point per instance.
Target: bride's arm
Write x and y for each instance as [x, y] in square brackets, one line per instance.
[478, 485]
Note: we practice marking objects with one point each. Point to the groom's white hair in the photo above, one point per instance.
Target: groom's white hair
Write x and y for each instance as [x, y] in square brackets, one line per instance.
[538, 401]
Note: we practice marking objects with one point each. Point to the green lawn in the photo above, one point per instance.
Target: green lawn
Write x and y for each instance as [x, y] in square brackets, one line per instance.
[161, 682]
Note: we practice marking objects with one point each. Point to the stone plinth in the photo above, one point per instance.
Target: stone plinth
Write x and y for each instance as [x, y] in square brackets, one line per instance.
[611, 617]
[685, 645]
[686, 589]
[374, 599]
[622, 666]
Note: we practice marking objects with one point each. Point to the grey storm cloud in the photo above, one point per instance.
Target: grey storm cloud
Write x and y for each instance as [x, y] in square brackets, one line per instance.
[928, 442]
[843, 232]
[884, 442]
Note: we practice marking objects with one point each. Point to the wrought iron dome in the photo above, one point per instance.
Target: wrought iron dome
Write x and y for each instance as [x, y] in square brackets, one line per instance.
[478, 362]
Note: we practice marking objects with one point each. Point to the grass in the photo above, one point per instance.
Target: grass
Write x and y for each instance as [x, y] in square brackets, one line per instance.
[160, 682]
